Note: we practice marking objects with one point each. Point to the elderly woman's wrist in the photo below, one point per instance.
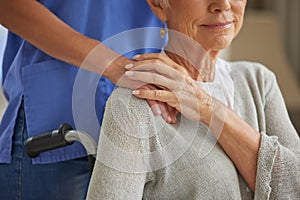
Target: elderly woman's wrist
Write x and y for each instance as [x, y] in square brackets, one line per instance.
[207, 109]
[215, 116]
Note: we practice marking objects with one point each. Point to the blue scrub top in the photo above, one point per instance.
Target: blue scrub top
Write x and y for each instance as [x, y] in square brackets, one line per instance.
[46, 84]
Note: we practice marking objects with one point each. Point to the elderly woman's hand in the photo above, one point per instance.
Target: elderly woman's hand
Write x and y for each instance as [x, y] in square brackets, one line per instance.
[179, 89]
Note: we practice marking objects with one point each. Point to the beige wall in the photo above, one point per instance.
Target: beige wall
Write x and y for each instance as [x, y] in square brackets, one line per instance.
[260, 41]
[287, 12]
[289, 17]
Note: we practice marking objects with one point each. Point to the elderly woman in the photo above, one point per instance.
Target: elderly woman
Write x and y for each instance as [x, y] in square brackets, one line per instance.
[230, 142]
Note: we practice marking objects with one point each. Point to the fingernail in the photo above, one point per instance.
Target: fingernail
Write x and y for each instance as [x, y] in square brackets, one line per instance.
[169, 119]
[129, 73]
[135, 92]
[129, 66]
[136, 56]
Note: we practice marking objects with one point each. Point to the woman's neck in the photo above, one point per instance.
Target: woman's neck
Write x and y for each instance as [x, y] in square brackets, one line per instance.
[202, 69]
[199, 63]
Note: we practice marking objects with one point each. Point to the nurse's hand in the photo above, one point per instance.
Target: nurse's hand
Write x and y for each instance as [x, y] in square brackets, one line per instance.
[114, 70]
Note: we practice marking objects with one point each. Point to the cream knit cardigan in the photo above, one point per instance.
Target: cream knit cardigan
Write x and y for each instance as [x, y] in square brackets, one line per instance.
[257, 99]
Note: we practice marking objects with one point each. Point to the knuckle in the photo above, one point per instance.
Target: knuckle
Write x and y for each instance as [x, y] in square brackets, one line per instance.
[158, 93]
[157, 62]
[176, 67]
[155, 78]
[161, 55]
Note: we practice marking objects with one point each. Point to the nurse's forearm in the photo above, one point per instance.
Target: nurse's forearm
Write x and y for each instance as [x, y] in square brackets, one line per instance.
[36, 24]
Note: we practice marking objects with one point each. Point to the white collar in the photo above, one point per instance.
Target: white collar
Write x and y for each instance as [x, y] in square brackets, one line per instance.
[222, 87]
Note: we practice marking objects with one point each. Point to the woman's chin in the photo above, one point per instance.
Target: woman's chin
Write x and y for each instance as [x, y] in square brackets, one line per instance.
[217, 44]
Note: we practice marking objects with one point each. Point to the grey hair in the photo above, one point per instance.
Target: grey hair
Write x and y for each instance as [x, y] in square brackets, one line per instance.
[164, 2]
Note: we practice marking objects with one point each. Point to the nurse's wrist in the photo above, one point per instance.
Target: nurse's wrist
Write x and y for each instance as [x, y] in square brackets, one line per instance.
[101, 60]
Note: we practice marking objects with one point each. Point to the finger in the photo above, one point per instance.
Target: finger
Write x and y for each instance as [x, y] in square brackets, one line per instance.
[128, 83]
[167, 101]
[172, 112]
[158, 95]
[147, 56]
[165, 114]
[152, 78]
[163, 58]
[157, 66]
[169, 113]
[154, 105]
[161, 108]
[156, 56]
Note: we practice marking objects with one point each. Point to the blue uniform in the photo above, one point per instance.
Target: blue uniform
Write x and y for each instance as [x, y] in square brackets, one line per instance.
[46, 84]
[39, 90]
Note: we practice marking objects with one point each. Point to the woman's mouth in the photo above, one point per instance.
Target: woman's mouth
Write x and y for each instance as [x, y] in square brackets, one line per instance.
[219, 26]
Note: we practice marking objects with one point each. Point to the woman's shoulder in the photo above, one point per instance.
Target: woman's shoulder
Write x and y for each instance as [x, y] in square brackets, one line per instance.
[251, 72]
[252, 80]
[123, 99]
[127, 109]
[123, 96]
[118, 92]
[249, 68]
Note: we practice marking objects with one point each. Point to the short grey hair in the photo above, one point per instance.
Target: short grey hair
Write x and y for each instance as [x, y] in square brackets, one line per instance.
[164, 2]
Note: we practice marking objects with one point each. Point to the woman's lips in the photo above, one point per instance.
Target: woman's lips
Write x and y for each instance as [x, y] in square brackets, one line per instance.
[225, 25]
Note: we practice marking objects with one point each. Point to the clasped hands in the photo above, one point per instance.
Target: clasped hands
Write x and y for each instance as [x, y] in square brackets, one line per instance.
[166, 81]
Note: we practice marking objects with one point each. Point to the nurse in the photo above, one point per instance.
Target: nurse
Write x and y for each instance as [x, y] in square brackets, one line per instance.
[47, 41]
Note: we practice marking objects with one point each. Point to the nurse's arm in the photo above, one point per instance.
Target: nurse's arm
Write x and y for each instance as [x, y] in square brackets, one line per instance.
[39, 26]
[35, 23]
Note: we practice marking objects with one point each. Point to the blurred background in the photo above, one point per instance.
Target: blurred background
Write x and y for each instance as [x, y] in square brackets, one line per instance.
[271, 35]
